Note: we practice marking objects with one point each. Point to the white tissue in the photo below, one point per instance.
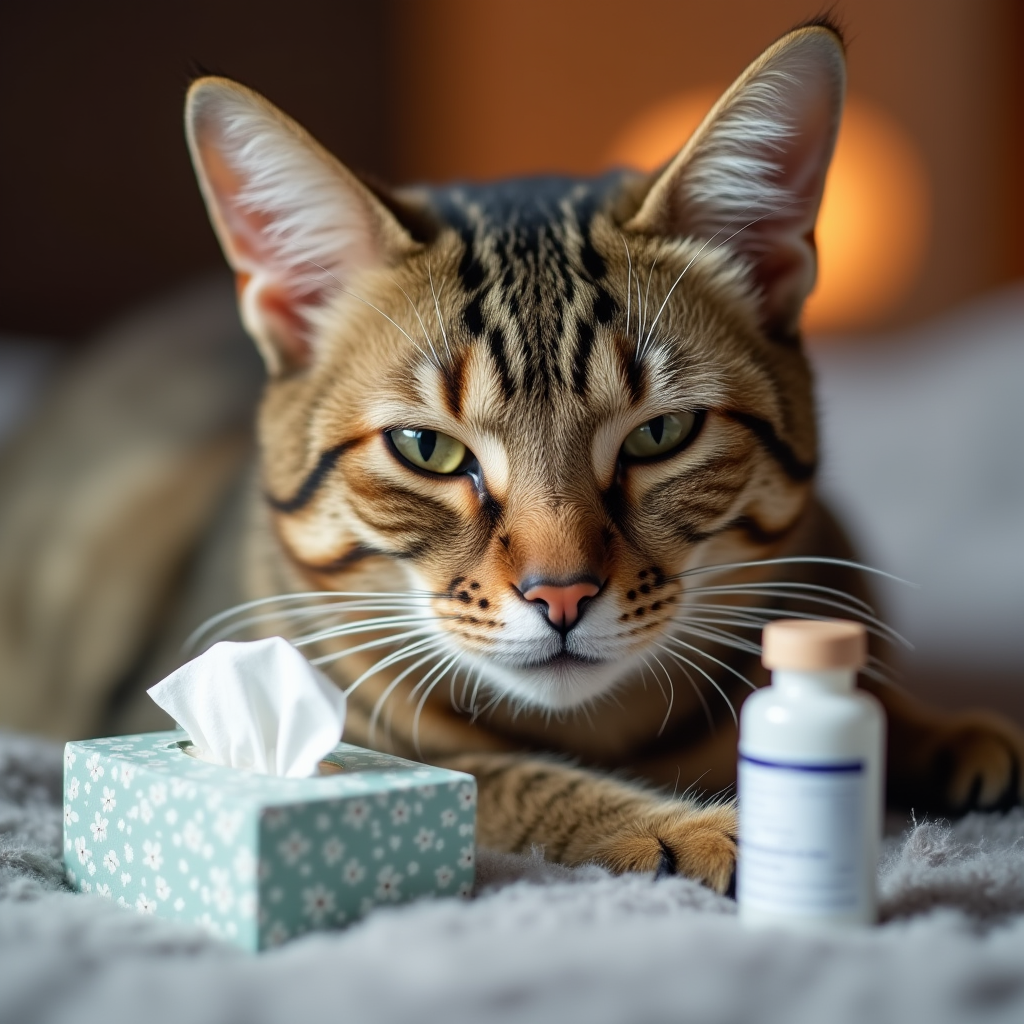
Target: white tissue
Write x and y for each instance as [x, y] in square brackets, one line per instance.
[258, 706]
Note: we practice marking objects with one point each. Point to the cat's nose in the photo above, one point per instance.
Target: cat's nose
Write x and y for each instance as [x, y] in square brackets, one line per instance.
[563, 600]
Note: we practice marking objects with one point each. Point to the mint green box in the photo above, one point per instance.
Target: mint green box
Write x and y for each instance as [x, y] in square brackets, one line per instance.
[259, 859]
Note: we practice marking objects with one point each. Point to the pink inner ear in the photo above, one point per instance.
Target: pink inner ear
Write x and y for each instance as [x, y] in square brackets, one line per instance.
[296, 226]
[285, 325]
[276, 287]
[266, 287]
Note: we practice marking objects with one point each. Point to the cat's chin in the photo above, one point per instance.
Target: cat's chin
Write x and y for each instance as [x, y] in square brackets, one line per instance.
[560, 683]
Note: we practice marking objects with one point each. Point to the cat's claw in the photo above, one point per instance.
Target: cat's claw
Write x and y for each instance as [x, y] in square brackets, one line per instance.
[976, 764]
[699, 843]
[667, 864]
[731, 889]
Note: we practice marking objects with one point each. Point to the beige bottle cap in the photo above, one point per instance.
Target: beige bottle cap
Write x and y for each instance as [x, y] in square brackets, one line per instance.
[807, 644]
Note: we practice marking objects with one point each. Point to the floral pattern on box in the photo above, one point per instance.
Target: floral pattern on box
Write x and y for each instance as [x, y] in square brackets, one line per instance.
[258, 859]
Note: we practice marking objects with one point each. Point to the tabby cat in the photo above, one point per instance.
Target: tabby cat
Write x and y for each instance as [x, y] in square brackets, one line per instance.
[537, 463]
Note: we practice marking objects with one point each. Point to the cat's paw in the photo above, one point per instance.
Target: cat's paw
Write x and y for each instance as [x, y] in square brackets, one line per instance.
[699, 843]
[975, 763]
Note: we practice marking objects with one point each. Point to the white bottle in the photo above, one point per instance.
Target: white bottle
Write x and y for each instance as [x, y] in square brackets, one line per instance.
[811, 771]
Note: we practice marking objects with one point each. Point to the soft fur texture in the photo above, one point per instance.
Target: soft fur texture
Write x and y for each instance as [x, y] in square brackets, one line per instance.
[538, 326]
[535, 329]
[540, 365]
[538, 943]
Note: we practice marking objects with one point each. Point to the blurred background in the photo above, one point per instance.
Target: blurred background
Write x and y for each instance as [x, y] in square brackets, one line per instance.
[917, 322]
[97, 181]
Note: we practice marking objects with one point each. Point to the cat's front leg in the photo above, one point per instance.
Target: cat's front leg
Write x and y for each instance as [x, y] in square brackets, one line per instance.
[579, 816]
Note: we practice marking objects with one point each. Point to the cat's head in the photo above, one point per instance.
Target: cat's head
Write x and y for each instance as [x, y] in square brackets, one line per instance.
[542, 399]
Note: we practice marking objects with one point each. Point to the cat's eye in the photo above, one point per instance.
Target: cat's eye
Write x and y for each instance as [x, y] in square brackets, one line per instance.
[429, 449]
[660, 435]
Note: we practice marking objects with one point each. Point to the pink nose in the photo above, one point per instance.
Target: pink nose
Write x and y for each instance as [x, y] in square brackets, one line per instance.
[563, 603]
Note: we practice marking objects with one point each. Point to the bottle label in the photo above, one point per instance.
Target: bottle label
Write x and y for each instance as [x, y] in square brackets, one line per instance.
[802, 844]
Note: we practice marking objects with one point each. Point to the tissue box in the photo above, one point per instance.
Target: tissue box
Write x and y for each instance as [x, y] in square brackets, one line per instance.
[259, 859]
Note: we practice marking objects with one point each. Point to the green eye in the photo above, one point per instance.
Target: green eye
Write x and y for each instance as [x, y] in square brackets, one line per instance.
[659, 435]
[429, 449]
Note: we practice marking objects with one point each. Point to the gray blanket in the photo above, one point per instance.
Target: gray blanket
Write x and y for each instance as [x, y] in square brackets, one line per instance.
[538, 943]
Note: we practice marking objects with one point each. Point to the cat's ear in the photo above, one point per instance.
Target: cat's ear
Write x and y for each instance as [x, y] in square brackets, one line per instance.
[752, 175]
[294, 223]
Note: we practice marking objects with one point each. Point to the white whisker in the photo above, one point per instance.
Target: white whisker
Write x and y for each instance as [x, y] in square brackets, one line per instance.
[366, 302]
[880, 628]
[463, 706]
[686, 661]
[378, 705]
[707, 631]
[790, 560]
[643, 672]
[215, 620]
[787, 585]
[475, 693]
[639, 322]
[874, 626]
[697, 257]
[454, 659]
[326, 612]
[423, 327]
[722, 664]
[408, 651]
[641, 348]
[723, 637]
[661, 688]
[770, 590]
[498, 695]
[451, 687]
[437, 309]
[671, 698]
[700, 696]
[647, 295]
[419, 685]
[874, 670]
[370, 645]
[629, 282]
[361, 626]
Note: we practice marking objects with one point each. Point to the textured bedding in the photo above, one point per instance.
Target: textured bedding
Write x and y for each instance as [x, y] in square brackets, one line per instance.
[537, 943]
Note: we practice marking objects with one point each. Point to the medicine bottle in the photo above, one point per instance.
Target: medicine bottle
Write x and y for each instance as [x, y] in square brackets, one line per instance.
[810, 781]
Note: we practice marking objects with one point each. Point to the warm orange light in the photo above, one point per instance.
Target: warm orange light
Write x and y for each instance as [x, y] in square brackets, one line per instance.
[658, 132]
[873, 225]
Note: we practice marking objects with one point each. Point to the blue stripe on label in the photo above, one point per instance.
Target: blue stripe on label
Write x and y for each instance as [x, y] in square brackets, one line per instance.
[848, 766]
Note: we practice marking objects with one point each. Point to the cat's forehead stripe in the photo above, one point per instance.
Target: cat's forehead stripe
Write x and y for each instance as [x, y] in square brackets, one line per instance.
[532, 277]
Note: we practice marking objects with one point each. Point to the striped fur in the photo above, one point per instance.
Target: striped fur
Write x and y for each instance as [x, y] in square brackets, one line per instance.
[538, 322]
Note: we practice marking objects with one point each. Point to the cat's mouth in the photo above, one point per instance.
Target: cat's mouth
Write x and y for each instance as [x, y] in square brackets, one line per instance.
[561, 681]
[564, 659]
